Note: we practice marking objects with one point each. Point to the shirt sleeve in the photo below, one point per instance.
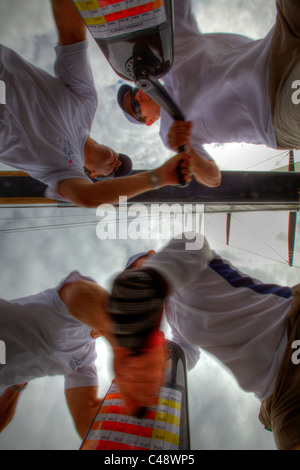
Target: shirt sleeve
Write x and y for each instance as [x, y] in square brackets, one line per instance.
[72, 67]
[181, 260]
[51, 193]
[74, 276]
[185, 25]
[87, 376]
[191, 351]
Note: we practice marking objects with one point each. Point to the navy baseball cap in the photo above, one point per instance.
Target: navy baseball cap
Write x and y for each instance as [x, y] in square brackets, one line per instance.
[123, 90]
[125, 169]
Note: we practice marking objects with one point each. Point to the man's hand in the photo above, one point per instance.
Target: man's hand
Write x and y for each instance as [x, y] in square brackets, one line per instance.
[168, 172]
[140, 377]
[205, 171]
[180, 135]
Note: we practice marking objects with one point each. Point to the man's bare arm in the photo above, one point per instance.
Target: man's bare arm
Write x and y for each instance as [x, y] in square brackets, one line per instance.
[84, 193]
[205, 172]
[87, 302]
[83, 404]
[70, 26]
[8, 405]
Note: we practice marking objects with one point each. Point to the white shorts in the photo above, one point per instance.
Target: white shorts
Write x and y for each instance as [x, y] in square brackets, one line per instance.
[286, 118]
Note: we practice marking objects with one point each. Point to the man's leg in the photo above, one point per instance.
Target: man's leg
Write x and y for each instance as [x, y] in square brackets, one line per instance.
[70, 26]
[281, 411]
[286, 117]
[285, 46]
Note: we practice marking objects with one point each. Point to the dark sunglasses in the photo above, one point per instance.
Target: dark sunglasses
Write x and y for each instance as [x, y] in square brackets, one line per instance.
[135, 105]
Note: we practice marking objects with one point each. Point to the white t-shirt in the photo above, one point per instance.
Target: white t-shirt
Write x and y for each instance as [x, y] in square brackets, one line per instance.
[46, 120]
[43, 339]
[221, 84]
[239, 320]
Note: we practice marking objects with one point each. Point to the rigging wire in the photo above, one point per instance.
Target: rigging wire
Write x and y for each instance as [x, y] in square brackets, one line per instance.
[283, 261]
[6, 219]
[279, 162]
[260, 238]
[253, 253]
[158, 217]
[283, 154]
[45, 227]
[79, 224]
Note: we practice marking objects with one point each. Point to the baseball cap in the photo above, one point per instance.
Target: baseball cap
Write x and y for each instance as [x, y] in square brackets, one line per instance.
[123, 90]
[125, 169]
[134, 258]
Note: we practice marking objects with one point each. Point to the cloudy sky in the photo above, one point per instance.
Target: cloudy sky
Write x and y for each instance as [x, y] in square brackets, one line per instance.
[39, 246]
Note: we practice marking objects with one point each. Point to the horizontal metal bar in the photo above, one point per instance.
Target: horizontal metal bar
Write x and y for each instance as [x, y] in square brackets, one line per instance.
[237, 187]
